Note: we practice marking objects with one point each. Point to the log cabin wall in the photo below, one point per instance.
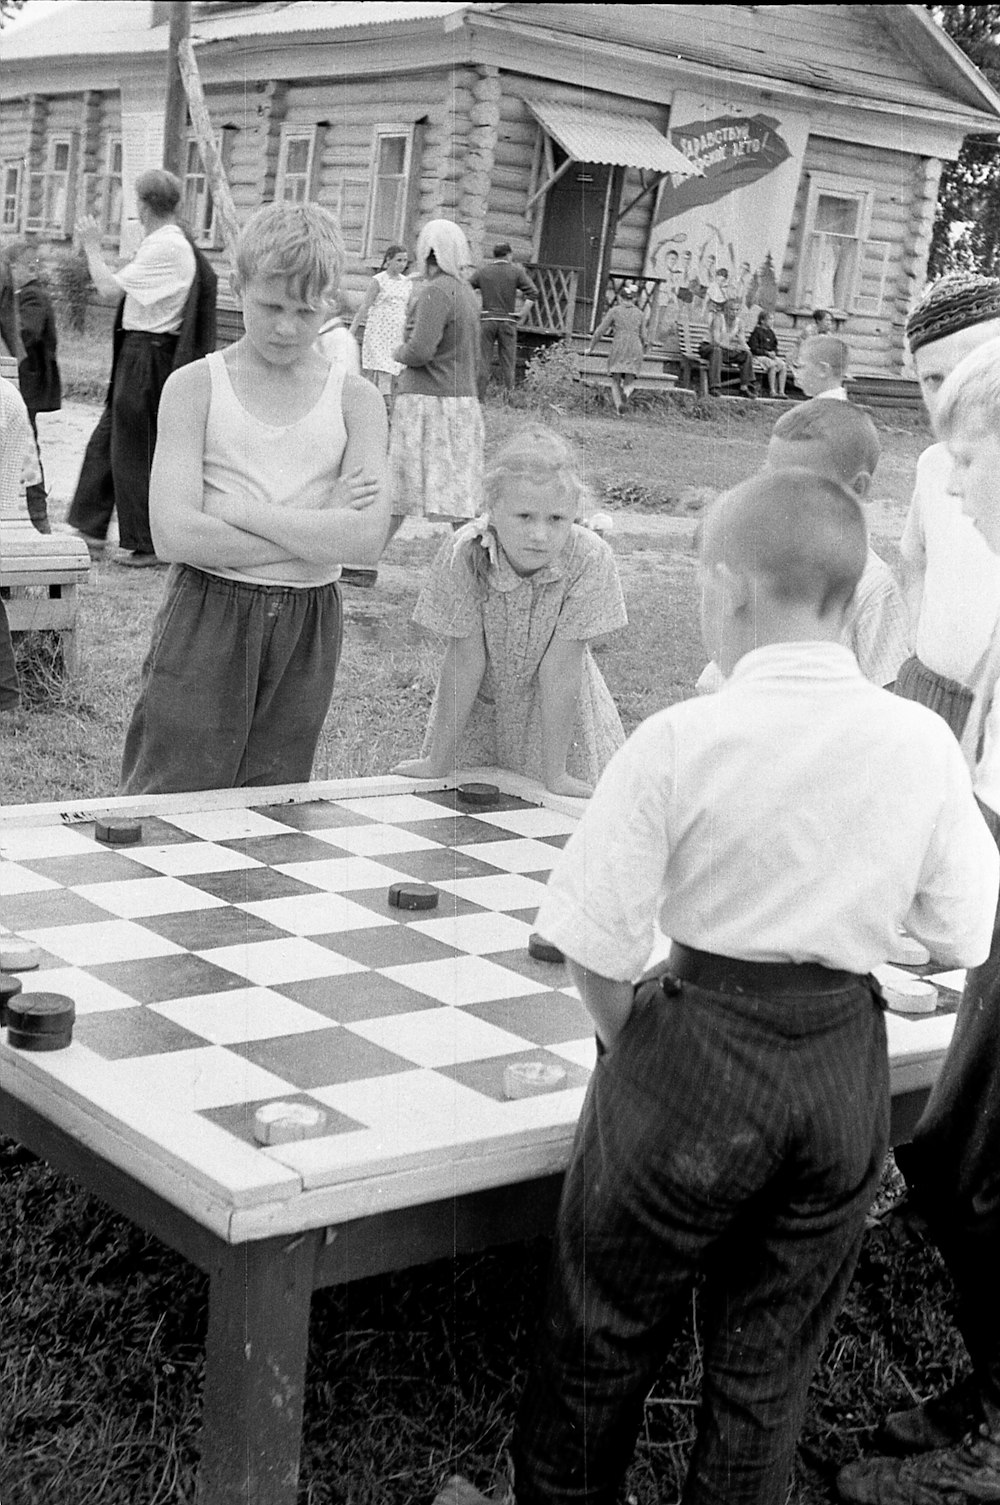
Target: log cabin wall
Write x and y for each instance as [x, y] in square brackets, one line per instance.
[897, 183]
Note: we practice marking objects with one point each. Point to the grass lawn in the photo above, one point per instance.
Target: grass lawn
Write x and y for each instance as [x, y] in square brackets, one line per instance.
[416, 1375]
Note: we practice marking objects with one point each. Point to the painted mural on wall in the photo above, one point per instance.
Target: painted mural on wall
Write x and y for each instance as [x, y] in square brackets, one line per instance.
[721, 238]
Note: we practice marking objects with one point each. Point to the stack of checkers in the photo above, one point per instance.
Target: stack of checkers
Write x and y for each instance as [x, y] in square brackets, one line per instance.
[36, 1021]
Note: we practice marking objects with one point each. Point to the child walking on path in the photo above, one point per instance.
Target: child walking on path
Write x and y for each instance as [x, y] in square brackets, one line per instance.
[627, 325]
[268, 473]
[781, 832]
[519, 593]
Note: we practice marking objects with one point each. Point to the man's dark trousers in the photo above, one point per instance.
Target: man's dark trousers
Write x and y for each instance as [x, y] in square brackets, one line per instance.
[501, 333]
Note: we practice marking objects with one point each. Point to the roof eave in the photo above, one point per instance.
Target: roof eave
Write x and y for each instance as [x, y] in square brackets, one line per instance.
[932, 47]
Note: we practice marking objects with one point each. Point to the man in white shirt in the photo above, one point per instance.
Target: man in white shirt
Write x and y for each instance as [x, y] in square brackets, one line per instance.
[156, 285]
[781, 832]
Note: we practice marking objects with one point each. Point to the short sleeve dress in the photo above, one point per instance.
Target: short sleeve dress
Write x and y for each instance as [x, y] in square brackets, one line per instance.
[577, 597]
[626, 354]
[385, 324]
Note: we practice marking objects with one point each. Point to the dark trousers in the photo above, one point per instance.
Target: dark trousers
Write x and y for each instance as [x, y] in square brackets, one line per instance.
[118, 458]
[10, 688]
[235, 687]
[500, 334]
[952, 1164]
[94, 498]
[731, 357]
[739, 1136]
[35, 495]
[951, 701]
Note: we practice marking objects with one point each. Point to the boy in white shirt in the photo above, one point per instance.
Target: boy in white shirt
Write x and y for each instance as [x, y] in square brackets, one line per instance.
[781, 832]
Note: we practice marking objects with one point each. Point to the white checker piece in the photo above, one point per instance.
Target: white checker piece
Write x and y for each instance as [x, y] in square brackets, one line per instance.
[241, 1014]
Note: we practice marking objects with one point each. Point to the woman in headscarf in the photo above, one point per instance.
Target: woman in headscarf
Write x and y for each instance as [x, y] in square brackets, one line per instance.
[436, 448]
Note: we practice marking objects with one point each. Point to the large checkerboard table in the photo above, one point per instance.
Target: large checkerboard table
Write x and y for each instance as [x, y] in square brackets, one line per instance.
[245, 952]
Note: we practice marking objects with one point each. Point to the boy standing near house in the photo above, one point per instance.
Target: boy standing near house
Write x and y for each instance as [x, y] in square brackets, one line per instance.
[268, 474]
[737, 1118]
[821, 367]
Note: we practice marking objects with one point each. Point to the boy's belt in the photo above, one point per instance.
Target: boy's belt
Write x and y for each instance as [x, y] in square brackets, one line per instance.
[731, 974]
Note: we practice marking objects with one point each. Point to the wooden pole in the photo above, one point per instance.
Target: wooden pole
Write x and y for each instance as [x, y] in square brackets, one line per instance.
[205, 136]
[175, 116]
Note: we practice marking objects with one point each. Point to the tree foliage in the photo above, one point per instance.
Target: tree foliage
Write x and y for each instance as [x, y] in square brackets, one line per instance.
[967, 224]
[9, 8]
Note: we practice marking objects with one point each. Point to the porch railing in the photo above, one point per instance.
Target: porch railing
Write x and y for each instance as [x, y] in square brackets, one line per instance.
[553, 311]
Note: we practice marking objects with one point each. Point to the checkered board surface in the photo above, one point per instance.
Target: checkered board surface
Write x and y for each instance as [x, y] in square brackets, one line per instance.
[237, 956]
[242, 955]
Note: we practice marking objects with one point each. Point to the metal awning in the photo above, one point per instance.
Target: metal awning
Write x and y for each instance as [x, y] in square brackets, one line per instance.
[621, 140]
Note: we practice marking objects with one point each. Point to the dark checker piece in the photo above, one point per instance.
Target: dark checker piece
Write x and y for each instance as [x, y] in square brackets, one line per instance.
[483, 795]
[9, 988]
[118, 833]
[413, 896]
[40, 1021]
[543, 950]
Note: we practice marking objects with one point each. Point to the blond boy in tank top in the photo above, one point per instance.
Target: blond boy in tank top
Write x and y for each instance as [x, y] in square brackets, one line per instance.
[268, 474]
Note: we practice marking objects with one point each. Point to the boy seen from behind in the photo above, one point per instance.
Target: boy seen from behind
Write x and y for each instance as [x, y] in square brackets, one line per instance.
[840, 442]
[268, 474]
[782, 832]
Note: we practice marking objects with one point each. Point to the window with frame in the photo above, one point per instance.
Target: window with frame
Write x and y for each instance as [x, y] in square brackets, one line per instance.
[10, 202]
[390, 177]
[834, 239]
[50, 191]
[198, 207]
[296, 167]
[111, 204]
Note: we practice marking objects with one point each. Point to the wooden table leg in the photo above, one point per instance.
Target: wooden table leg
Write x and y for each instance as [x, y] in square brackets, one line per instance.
[255, 1364]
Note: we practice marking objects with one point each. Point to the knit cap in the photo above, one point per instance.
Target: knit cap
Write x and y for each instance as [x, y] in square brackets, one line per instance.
[956, 301]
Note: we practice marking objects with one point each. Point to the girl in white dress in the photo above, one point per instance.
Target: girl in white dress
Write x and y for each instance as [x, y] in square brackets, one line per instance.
[383, 314]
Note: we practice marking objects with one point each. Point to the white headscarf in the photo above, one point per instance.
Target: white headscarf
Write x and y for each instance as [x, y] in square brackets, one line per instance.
[447, 241]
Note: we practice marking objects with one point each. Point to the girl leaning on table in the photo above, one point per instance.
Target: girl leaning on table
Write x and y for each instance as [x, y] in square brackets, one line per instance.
[519, 593]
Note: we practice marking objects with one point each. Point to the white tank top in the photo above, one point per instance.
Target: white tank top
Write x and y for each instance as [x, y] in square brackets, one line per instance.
[292, 465]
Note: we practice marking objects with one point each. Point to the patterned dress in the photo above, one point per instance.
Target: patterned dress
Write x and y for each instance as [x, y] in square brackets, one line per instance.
[626, 322]
[386, 323]
[577, 597]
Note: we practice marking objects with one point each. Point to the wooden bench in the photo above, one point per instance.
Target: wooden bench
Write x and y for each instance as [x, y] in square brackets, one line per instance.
[40, 572]
[694, 367]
